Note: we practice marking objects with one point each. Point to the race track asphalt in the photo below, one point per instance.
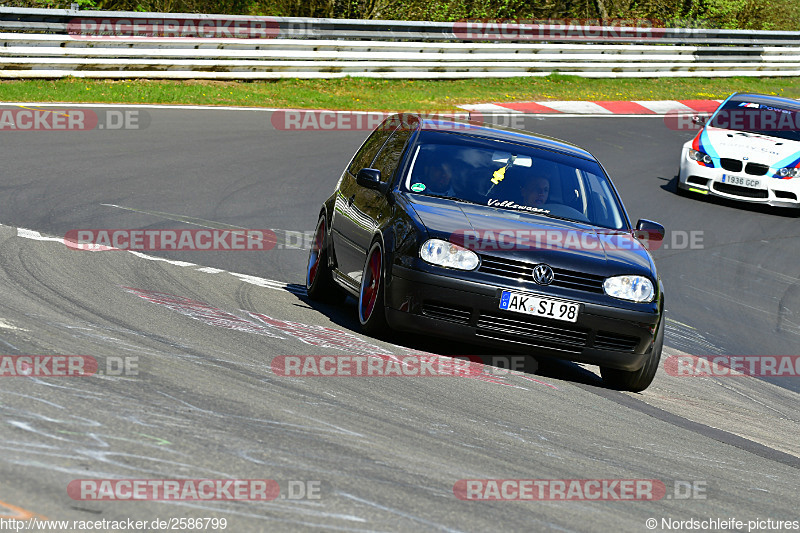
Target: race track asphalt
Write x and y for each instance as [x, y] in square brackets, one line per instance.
[386, 453]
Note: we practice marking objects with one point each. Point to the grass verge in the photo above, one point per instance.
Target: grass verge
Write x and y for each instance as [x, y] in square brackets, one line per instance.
[385, 95]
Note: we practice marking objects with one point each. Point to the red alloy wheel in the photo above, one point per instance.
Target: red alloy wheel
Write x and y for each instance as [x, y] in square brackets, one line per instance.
[370, 285]
[315, 255]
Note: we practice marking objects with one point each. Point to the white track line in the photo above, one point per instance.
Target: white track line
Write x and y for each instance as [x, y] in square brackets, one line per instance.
[254, 280]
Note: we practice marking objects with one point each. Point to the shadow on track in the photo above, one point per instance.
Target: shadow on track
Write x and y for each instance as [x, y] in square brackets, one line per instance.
[344, 316]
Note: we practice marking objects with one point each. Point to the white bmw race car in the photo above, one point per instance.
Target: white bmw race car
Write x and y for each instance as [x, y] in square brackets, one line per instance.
[748, 150]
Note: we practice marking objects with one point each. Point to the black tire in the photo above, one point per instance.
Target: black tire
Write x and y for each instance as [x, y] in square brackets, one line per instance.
[371, 310]
[637, 380]
[319, 278]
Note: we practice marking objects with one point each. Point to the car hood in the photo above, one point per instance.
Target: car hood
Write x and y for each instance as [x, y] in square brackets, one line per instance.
[533, 238]
[757, 148]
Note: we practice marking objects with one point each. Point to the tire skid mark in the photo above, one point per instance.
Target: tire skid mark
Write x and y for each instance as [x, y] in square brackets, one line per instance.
[41, 438]
[246, 278]
[313, 335]
[489, 373]
[8, 511]
[699, 428]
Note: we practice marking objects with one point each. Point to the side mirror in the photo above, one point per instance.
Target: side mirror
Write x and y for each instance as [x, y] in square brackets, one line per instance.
[370, 178]
[699, 120]
[647, 230]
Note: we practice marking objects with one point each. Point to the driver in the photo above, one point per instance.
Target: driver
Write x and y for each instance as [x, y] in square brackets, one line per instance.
[536, 191]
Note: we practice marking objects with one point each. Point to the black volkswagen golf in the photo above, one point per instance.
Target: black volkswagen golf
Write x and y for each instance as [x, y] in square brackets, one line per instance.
[494, 237]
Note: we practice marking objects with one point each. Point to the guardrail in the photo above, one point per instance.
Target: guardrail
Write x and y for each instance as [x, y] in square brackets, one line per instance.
[48, 43]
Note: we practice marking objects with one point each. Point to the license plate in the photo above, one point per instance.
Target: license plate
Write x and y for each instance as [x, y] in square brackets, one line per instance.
[741, 181]
[528, 304]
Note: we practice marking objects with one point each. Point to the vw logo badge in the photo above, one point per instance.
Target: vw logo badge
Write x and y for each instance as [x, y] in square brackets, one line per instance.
[543, 274]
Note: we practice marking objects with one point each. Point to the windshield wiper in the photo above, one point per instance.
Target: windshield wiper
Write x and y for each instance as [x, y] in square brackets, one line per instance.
[456, 198]
[550, 215]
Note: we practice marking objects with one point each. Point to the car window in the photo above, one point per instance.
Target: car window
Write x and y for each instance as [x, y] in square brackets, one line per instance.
[389, 157]
[777, 120]
[514, 177]
[366, 154]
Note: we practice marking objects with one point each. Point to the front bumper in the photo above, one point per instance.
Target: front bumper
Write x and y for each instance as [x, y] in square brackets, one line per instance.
[469, 312]
[776, 192]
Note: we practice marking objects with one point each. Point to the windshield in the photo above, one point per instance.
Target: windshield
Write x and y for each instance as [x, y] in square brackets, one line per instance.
[515, 178]
[751, 117]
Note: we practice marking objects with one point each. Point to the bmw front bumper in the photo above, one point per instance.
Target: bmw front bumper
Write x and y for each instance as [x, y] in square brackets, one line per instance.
[716, 181]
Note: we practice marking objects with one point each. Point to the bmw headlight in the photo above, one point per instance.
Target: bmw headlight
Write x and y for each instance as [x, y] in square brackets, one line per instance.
[447, 254]
[700, 156]
[632, 288]
[789, 172]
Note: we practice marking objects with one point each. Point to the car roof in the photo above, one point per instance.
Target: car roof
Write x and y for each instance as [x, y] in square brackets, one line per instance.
[765, 99]
[500, 133]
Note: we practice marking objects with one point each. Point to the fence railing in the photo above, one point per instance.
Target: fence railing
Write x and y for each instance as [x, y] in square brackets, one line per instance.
[48, 43]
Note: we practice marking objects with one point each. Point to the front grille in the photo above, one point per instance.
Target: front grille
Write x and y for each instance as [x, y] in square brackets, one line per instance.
[521, 270]
[452, 313]
[613, 341]
[736, 190]
[532, 331]
[756, 169]
[734, 165]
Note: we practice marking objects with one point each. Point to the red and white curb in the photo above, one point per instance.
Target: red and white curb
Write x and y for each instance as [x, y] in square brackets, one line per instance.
[598, 108]
[550, 107]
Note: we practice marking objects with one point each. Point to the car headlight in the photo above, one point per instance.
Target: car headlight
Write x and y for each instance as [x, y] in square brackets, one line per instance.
[700, 156]
[789, 172]
[447, 254]
[633, 288]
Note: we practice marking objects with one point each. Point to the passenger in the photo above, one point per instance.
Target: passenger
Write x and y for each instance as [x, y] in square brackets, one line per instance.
[438, 179]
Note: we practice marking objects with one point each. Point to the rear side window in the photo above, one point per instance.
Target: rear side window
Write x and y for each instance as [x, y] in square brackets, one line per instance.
[371, 146]
[392, 152]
